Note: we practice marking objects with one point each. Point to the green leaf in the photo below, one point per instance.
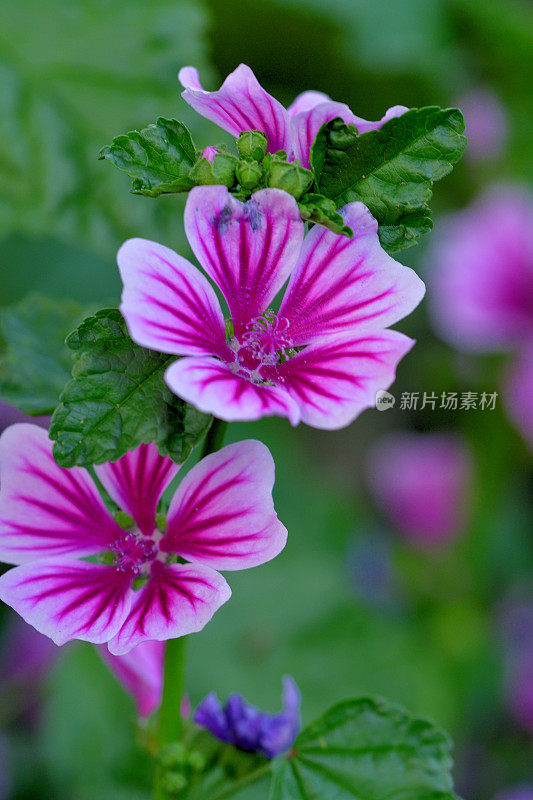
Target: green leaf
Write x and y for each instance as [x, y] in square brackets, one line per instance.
[34, 362]
[391, 170]
[158, 158]
[118, 399]
[321, 210]
[366, 748]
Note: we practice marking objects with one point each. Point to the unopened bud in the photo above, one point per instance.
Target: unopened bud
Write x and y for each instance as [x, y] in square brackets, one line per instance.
[220, 171]
[290, 177]
[253, 145]
[249, 173]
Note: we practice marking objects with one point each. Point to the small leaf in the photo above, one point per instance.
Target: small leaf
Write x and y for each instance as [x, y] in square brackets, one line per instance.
[366, 748]
[159, 158]
[321, 210]
[391, 170]
[35, 363]
[118, 399]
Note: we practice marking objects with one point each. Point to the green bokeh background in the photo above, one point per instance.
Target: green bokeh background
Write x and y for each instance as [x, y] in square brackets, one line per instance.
[73, 75]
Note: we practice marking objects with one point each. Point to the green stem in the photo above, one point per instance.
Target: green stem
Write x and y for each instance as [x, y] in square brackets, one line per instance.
[170, 725]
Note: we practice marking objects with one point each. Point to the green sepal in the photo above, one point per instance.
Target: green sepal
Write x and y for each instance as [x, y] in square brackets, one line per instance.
[252, 145]
[289, 176]
[158, 158]
[249, 174]
[321, 210]
[117, 399]
[221, 171]
[391, 170]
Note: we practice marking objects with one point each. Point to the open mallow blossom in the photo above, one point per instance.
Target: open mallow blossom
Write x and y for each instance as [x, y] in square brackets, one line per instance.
[320, 358]
[422, 481]
[241, 104]
[81, 575]
[244, 726]
[482, 298]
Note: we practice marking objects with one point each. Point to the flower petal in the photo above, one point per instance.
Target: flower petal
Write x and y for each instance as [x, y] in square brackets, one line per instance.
[69, 599]
[167, 303]
[211, 386]
[307, 101]
[347, 286]
[305, 124]
[223, 513]
[140, 672]
[136, 482]
[46, 510]
[363, 125]
[248, 249]
[177, 600]
[241, 104]
[334, 381]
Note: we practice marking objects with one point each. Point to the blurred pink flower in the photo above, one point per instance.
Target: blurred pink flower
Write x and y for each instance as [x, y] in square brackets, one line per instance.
[241, 104]
[486, 124]
[27, 655]
[518, 793]
[482, 273]
[519, 693]
[518, 394]
[140, 672]
[421, 482]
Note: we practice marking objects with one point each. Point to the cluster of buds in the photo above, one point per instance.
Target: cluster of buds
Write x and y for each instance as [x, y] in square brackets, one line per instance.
[254, 168]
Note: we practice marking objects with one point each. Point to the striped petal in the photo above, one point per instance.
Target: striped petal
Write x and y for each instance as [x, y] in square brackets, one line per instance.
[46, 510]
[177, 600]
[136, 482]
[212, 387]
[167, 303]
[69, 599]
[248, 249]
[222, 514]
[347, 286]
[333, 382]
[241, 104]
[140, 672]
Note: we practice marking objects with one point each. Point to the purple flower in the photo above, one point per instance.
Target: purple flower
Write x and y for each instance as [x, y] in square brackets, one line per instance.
[241, 104]
[518, 393]
[421, 481]
[486, 124]
[140, 672]
[518, 793]
[483, 273]
[320, 358]
[221, 517]
[244, 726]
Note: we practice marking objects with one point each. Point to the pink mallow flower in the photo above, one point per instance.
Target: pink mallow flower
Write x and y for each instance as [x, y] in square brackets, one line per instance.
[486, 124]
[421, 481]
[151, 584]
[241, 104]
[320, 358]
[518, 393]
[483, 273]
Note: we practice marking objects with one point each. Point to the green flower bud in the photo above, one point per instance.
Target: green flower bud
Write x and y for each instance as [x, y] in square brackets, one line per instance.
[290, 177]
[221, 171]
[172, 755]
[252, 145]
[249, 174]
[173, 784]
[196, 761]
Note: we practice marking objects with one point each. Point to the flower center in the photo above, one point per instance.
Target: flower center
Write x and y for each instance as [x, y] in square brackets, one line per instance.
[132, 551]
[264, 343]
